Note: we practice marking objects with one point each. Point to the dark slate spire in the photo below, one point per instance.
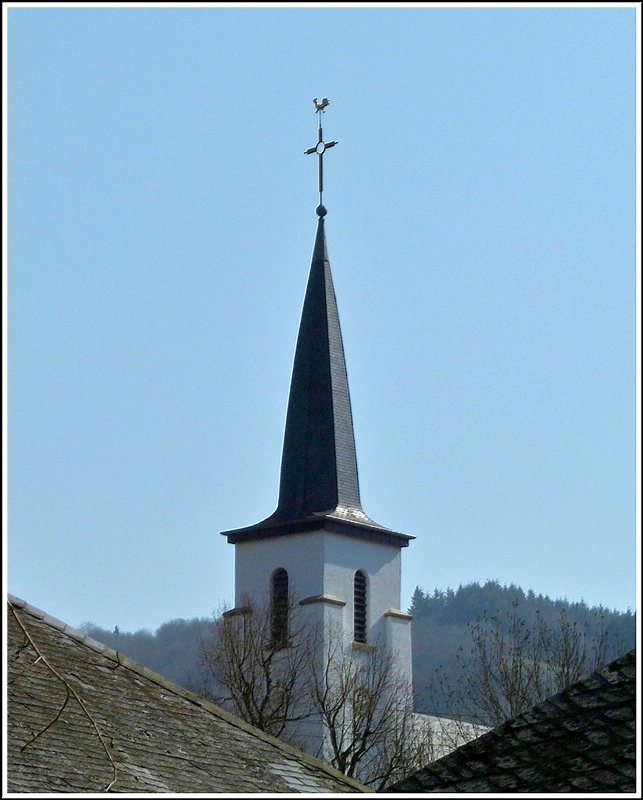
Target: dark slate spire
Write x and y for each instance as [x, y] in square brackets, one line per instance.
[319, 486]
[318, 465]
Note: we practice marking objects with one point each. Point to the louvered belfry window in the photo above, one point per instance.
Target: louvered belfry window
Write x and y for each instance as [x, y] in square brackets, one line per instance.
[279, 609]
[359, 605]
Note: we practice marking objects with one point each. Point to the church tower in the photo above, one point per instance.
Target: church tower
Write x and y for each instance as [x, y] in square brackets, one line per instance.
[319, 545]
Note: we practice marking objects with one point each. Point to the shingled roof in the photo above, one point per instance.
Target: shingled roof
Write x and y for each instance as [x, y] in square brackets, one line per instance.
[84, 718]
[580, 740]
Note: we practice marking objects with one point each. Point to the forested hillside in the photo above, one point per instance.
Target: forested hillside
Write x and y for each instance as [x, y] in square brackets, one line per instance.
[173, 651]
[461, 637]
[448, 629]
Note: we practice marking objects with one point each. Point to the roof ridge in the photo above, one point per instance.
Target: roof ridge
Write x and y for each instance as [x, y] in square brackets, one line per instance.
[129, 663]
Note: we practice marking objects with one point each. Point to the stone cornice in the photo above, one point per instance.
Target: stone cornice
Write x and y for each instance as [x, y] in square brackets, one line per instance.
[322, 598]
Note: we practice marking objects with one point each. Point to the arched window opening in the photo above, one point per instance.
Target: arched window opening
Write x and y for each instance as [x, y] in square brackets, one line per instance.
[279, 609]
[359, 607]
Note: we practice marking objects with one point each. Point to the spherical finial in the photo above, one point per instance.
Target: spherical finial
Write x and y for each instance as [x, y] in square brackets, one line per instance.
[321, 211]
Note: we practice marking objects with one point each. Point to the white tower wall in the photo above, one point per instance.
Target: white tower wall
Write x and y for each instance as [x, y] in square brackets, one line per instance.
[321, 568]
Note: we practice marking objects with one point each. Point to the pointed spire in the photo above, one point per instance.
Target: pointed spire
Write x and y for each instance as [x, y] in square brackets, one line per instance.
[319, 488]
[318, 466]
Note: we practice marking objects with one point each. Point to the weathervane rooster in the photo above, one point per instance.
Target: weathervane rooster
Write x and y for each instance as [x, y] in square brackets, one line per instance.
[320, 106]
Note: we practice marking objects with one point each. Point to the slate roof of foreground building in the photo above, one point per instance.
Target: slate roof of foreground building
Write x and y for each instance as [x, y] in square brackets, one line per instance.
[85, 718]
[580, 740]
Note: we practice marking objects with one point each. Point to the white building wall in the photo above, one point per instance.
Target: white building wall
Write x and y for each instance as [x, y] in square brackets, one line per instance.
[321, 568]
[300, 554]
[398, 639]
[343, 556]
[322, 564]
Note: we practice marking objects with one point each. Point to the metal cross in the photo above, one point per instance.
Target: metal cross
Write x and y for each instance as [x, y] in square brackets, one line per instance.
[320, 147]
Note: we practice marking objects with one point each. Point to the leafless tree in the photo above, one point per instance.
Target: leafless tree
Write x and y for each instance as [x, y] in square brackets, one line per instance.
[275, 681]
[366, 704]
[259, 679]
[511, 664]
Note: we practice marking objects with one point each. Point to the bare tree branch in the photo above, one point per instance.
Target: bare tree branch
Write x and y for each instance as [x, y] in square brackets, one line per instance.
[69, 692]
[511, 664]
[361, 700]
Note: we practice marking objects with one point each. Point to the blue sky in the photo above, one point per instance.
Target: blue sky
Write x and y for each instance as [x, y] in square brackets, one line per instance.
[482, 236]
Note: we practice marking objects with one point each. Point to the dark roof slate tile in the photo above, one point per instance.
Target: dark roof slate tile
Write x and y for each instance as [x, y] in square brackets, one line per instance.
[581, 740]
[84, 718]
